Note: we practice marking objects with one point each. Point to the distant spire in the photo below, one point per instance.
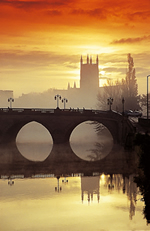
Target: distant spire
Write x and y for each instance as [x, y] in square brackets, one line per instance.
[90, 60]
[74, 85]
[87, 59]
[81, 60]
[97, 60]
[68, 86]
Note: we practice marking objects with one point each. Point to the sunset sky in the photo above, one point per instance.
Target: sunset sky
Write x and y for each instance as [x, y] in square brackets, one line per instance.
[41, 42]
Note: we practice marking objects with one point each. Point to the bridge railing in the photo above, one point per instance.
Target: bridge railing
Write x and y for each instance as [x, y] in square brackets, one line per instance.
[58, 111]
[19, 110]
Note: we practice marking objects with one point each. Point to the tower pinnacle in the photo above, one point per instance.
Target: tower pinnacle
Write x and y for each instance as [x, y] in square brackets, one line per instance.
[81, 60]
[90, 60]
[97, 60]
[87, 59]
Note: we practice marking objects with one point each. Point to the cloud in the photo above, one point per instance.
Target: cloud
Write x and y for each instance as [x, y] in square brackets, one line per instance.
[131, 40]
[97, 12]
[115, 69]
[54, 12]
[34, 4]
[20, 59]
[139, 15]
[104, 78]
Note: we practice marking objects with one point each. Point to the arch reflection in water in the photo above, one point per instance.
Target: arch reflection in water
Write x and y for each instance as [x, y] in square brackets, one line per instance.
[34, 142]
[91, 144]
[71, 202]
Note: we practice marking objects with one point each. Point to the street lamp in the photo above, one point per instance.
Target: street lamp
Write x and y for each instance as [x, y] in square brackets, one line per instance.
[110, 102]
[10, 100]
[147, 96]
[57, 97]
[64, 100]
[123, 100]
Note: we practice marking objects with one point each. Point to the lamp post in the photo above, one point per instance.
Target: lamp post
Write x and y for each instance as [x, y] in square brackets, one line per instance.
[123, 100]
[147, 96]
[57, 97]
[64, 100]
[110, 102]
[10, 100]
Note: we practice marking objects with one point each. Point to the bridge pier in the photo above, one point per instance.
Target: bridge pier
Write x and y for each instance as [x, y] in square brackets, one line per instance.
[59, 136]
[62, 153]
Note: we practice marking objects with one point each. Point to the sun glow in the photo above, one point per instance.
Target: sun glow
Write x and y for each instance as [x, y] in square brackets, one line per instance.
[102, 73]
[45, 36]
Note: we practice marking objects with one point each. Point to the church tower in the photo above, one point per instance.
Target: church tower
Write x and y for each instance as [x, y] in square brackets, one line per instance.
[89, 75]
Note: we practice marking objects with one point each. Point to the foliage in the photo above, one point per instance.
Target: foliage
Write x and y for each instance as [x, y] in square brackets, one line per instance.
[143, 100]
[130, 87]
[126, 88]
[111, 90]
[97, 152]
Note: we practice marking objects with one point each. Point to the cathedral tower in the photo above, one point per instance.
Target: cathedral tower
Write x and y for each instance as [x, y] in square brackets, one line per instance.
[89, 75]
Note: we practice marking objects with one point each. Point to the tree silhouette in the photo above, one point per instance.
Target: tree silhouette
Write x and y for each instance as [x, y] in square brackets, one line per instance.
[126, 88]
[130, 87]
[97, 152]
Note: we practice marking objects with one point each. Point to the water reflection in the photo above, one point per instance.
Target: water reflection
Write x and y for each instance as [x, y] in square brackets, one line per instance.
[35, 151]
[65, 192]
[143, 177]
[35, 199]
[34, 142]
[90, 186]
[89, 143]
[58, 188]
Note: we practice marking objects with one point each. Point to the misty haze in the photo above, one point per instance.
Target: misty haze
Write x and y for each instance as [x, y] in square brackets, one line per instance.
[74, 115]
[71, 155]
[89, 145]
[35, 142]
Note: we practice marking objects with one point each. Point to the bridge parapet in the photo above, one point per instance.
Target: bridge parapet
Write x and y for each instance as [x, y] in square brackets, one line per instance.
[61, 123]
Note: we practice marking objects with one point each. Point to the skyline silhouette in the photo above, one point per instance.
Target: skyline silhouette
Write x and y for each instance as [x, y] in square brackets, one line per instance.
[89, 93]
[41, 47]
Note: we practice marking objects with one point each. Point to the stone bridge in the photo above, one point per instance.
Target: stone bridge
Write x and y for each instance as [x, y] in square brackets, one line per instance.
[61, 123]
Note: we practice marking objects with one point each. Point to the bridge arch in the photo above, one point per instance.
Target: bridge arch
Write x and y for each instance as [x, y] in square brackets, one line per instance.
[11, 134]
[34, 142]
[33, 132]
[60, 123]
[90, 144]
[104, 123]
[118, 125]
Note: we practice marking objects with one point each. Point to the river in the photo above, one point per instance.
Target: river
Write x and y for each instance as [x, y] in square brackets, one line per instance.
[65, 192]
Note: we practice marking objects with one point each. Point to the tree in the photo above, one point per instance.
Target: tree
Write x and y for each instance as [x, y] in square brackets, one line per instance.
[126, 88]
[112, 90]
[130, 87]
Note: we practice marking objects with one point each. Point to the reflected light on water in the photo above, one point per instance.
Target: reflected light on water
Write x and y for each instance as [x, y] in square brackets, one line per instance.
[35, 151]
[102, 177]
[33, 204]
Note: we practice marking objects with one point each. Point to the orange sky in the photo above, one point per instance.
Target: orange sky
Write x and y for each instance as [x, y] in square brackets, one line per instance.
[41, 41]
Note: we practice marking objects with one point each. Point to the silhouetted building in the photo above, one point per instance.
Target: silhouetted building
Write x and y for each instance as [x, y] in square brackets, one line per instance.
[89, 76]
[78, 97]
[86, 94]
